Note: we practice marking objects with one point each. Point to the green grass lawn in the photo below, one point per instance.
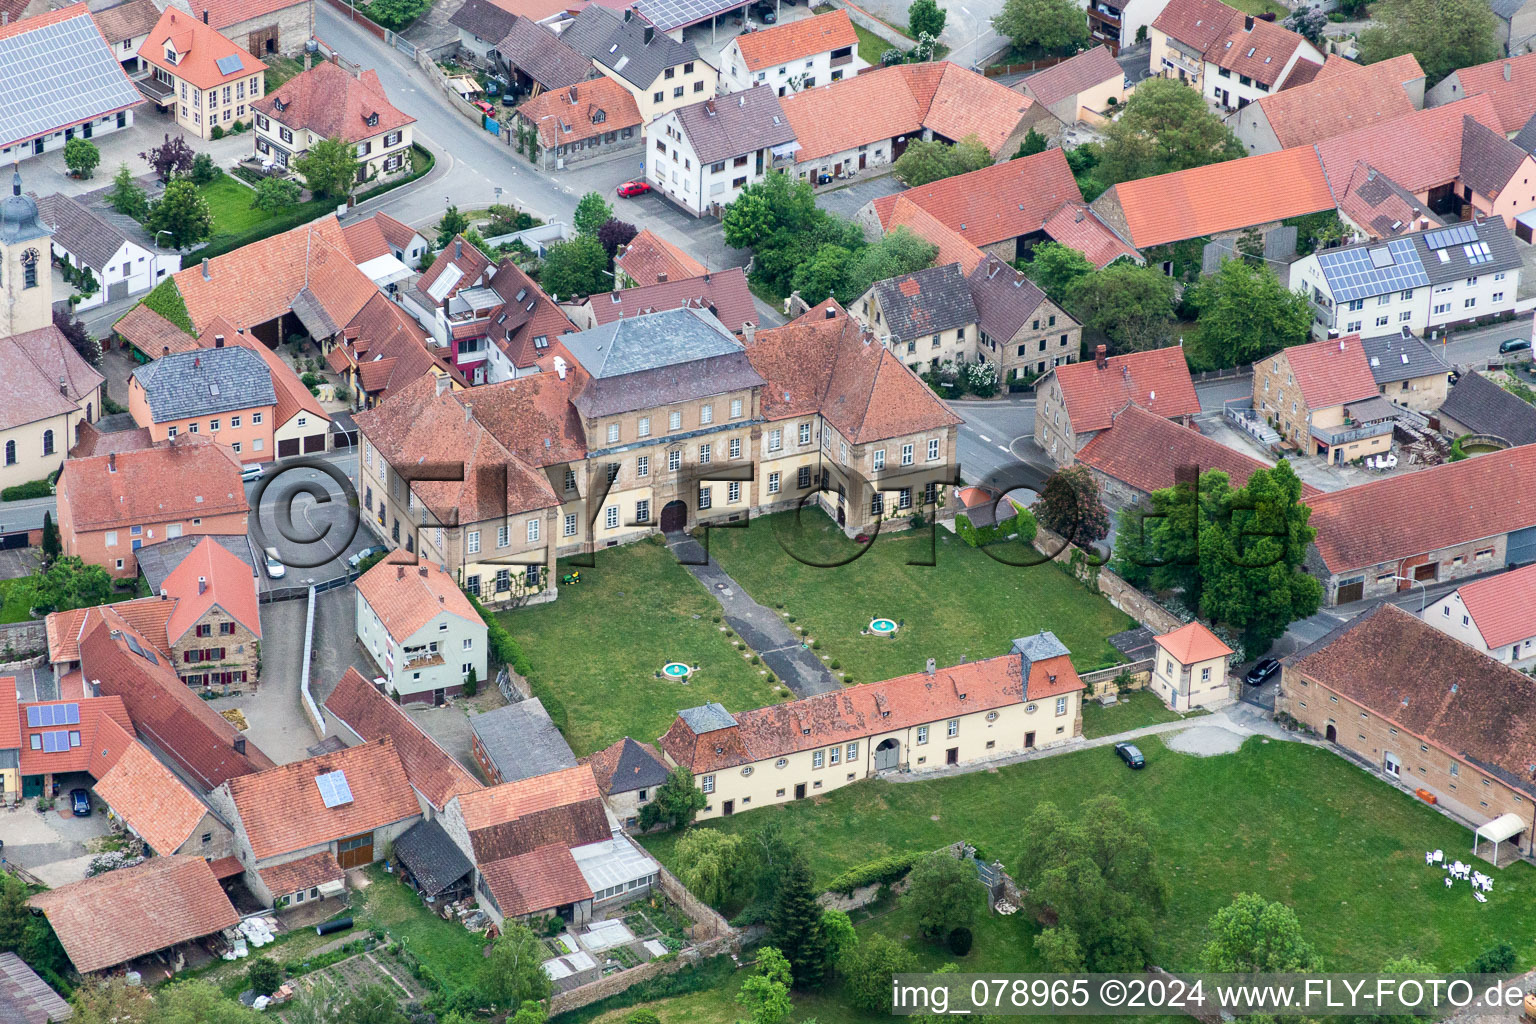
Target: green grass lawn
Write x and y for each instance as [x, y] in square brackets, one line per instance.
[229, 200]
[454, 954]
[279, 70]
[16, 600]
[1262, 7]
[596, 651]
[1291, 822]
[871, 46]
[964, 605]
[1135, 709]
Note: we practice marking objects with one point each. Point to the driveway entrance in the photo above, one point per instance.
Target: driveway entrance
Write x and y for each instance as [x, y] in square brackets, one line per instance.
[674, 517]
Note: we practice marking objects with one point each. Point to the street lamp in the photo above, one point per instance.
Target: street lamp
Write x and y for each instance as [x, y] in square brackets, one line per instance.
[1423, 590]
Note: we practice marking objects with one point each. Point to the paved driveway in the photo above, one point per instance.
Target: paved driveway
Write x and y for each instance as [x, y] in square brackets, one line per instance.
[273, 713]
[49, 844]
[309, 518]
[849, 200]
[17, 562]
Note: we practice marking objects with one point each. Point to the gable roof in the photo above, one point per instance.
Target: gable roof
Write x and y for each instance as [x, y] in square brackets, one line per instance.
[581, 110]
[406, 595]
[1419, 151]
[631, 47]
[151, 333]
[434, 772]
[724, 293]
[149, 797]
[529, 327]
[10, 727]
[650, 259]
[128, 913]
[723, 127]
[146, 616]
[1331, 372]
[561, 807]
[1379, 205]
[31, 366]
[994, 203]
[211, 575]
[1257, 48]
[1393, 358]
[804, 37]
[1093, 395]
[153, 485]
[483, 18]
[1501, 606]
[80, 231]
[542, 56]
[1509, 82]
[825, 362]
[953, 248]
[1078, 226]
[94, 714]
[127, 21]
[309, 872]
[291, 394]
[1433, 686]
[627, 766]
[1340, 102]
[521, 740]
[1191, 643]
[204, 56]
[224, 13]
[538, 879]
[60, 72]
[432, 857]
[1195, 23]
[1483, 407]
[1070, 77]
[1488, 159]
[926, 302]
[328, 101]
[1221, 197]
[1403, 516]
[205, 382]
[282, 810]
[25, 998]
[1005, 299]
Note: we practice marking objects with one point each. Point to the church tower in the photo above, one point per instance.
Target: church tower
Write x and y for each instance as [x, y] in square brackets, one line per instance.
[26, 270]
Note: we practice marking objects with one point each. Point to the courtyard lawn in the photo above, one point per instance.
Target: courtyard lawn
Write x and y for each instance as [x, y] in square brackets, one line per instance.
[454, 954]
[871, 46]
[16, 600]
[1136, 708]
[965, 605]
[1292, 822]
[229, 200]
[1256, 7]
[279, 70]
[596, 651]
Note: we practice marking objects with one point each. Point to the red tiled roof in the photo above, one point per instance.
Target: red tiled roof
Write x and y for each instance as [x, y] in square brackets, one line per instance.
[156, 485]
[821, 363]
[151, 333]
[1510, 82]
[1221, 197]
[953, 247]
[35, 362]
[224, 13]
[149, 797]
[1070, 77]
[1502, 606]
[1093, 396]
[1144, 450]
[406, 594]
[1419, 151]
[388, 347]
[1303, 72]
[462, 255]
[724, 292]
[570, 114]
[146, 616]
[868, 708]
[199, 49]
[994, 203]
[1341, 102]
[805, 37]
[10, 727]
[497, 805]
[1191, 643]
[292, 396]
[1195, 23]
[1403, 516]
[532, 416]
[91, 441]
[371, 715]
[211, 575]
[1332, 372]
[1254, 47]
[305, 873]
[541, 879]
[76, 758]
[281, 809]
[651, 259]
[366, 240]
[120, 915]
[124, 21]
[328, 101]
[226, 867]
[1077, 226]
[397, 233]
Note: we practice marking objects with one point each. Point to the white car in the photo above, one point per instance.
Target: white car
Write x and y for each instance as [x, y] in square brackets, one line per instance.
[275, 568]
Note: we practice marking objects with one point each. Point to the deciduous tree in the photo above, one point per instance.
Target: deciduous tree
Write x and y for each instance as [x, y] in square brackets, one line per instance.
[820, 276]
[70, 583]
[79, 338]
[330, 168]
[514, 972]
[715, 866]
[1055, 268]
[1443, 34]
[452, 223]
[1252, 935]
[1166, 126]
[926, 161]
[615, 233]
[1069, 505]
[182, 213]
[677, 802]
[868, 969]
[926, 17]
[170, 158]
[944, 893]
[1032, 143]
[81, 157]
[575, 268]
[592, 212]
[898, 252]
[765, 992]
[1246, 313]
[274, 194]
[1042, 26]
[1129, 306]
[198, 1002]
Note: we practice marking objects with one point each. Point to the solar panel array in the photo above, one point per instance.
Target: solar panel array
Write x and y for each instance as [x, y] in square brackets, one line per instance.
[39, 715]
[1461, 234]
[57, 75]
[334, 790]
[1362, 272]
[669, 14]
[229, 65]
[142, 651]
[55, 742]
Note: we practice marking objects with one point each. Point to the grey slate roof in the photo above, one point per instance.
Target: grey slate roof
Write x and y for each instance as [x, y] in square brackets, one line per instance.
[1488, 159]
[1039, 647]
[723, 127]
[1506, 9]
[941, 301]
[624, 49]
[522, 741]
[637, 769]
[538, 53]
[1394, 358]
[79, 231]
[1378, 189]
[1005, 299]
[707, 718]
[58, 73]
[483, 19]
[25, 998]
[1525, 138]
[431, 856]
[205, 382]
[1456, 266]
[1483, 407]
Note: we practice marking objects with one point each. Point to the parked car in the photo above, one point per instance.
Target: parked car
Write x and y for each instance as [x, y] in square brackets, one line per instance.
[1261, 671]
[368, 552]
[80, 803]
[1514, 345]
[275, 567]
[251, 472]
[634, 188]
[1129, 753]
[484, 108]
[765, 13]
[510, 98]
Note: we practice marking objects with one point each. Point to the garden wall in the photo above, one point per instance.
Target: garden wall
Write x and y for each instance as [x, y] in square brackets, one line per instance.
[708, 924]
[1113, 589]
[613, 984]
[1098, 682]
[23, 639]
[865, 20]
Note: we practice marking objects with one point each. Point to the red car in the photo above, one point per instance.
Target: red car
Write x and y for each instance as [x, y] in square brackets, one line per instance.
[484, 108]
[634, 188]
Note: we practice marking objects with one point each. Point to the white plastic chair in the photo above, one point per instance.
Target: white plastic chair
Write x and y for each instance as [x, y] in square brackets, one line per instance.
[1439, 856]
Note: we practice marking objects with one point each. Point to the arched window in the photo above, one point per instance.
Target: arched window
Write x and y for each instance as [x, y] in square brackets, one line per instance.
[10, 453]
[47, 442]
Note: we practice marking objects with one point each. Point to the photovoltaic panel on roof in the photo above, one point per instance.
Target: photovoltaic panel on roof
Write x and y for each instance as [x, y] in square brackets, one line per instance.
[133, 645]
[229, 65]
[334, 790]
[71, 714]
[57, 75]
[34, 717]
[1458, 235]
[1357, 273]
[669, 14]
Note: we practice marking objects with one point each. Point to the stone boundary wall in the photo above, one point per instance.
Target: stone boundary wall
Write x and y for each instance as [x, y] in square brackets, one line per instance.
[25, 639]
[1114, 589]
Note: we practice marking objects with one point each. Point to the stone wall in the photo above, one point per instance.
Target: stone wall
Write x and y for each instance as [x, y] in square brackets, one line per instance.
[23, 640]
[613, 984]
[707, 923]
[1100, 681]
[1115, 590]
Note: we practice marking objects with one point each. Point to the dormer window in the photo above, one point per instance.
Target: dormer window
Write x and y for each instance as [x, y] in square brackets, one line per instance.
[278, 104]
[373, 120]
[170, 54]
[599, 116]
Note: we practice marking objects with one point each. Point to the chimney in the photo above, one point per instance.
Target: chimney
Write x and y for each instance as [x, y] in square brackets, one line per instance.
[1079, 218]
[206, 276]
[661, 278]
[468, 414]
[240, 745]
[1341, 344]
[1423, 223]
[831, 312]
[5, 18]
[399, 572]
[560, 367]
[202, 584]
[1248, 23]
[443, 383]
[1099, 357]
[572, 94]
[164, 596]
[748, 331]
[218, 341]
[165, 350]
[422, 571]
[308, 59]
[197, 362]
[650, 33]
[627, 13]
[205, 15]
[458, 248]
[63, 386]
[932, 666]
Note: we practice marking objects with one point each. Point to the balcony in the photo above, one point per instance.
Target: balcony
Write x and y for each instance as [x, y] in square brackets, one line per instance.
[1371, 417]
[1105, 14]
[841, 58]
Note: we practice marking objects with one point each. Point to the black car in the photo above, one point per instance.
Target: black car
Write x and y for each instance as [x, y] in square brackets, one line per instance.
[1514, 345]
[1129, 753]
[765, 13]
[1261, 671]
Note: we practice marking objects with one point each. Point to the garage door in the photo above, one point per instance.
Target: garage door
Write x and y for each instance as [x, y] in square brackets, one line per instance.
[13, 540]
[314, 443]
[287, 447]
[355, 851]
[1352, 589]
[1522, 547]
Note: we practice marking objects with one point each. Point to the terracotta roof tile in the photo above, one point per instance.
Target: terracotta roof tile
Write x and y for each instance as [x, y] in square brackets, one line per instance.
[562, 807]
[77, 758]
[304, 873]
[1093, 396]
[90, 441]
[651, 259]
[406, 595]
[1331, 372]
[230, 585]
[1502, 606]
[465, 258]
[725, 292]
[1221, 197]
[1514, 96]
[127, 20]
[1419, 151]
[328, 101]
[388, 347]
[1303, 72]
[149, 797]
[371, 715]
[532, 416]
[204, 57]
[224, 13]
[1195, 23]
[804, 37]
[118, 916]
[397, 233]
[281, 809]
[953, 247]
[365, 239]
[581, 111]
[496, 805]
[1192, 642]
[1077, 226]
[1379, 205]
[994, 203]
[10, 726]
[151, 333]
[34, 362]
[165, 484]
[146, 616]
[1070, 77]
[1403, 516]
[540, 879]
[1341, 102]
[1259, 49]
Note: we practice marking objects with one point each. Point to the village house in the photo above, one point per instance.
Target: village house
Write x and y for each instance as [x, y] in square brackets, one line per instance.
[651, 259]
[658, 71]
[1408, 373]
[327, 102]
[793, 56]
[1422, 282]
[76, 87]
[420, 629]
[263, 27]
[703, 155]
[111, 505]
[951, 245]
[377, 234]
[152, 802]
[1074, 401]
[125, 26]
[1493, 615]
[926, 318]
[1233, 58]
[536, 60]
[1023, 331]
[370, 715]
[1122, 23]
[1412, 704]
[628, 773]
[226, 392]
[301, 826]
[384, 349]
[1027, 699]
[1189, 668]
[518, 741]
[1089, 87]
[1343, 97]
[1323, 399]
[46, 741]
[1516, 25]
[201, 78]
[1377, 538]
[1476, 405]
[481, 24]
[582, 121]
[121, 266]
[724, 293]
[1507, 82]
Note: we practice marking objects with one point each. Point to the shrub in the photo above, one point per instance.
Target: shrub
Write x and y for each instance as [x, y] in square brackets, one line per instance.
[30, 489]
[835, 665]
[643, 1017]
[503, 647]
[218, 133]
[264, 976]
[754, 659]
[960, 941]
[815, 645]
[880, 871]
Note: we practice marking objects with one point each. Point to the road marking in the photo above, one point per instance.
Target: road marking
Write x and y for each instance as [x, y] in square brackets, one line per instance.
[1003, 448]
[984, 437]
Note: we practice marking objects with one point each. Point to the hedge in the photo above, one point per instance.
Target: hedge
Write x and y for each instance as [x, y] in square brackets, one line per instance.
[503, 647]
[31, 489]
[421, 162]
[874, 872]
[1021, 522]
